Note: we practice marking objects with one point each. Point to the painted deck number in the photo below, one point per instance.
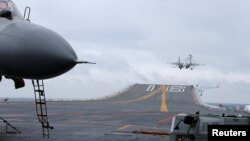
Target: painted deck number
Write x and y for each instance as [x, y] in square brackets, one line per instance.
[150, 88]
[175, 89]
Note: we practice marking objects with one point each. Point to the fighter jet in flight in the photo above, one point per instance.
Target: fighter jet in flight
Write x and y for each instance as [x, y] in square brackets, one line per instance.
[30, 51]
[188, 63]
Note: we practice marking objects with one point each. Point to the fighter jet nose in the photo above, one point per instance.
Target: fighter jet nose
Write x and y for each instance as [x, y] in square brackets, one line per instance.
[53, 54]
[50, 44]
[42, 53]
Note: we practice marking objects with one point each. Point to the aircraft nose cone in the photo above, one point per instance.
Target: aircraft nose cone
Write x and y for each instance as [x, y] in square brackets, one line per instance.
[51, 53]
[40, 52]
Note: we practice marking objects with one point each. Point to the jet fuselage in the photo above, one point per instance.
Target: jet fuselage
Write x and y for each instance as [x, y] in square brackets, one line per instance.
[31, 51]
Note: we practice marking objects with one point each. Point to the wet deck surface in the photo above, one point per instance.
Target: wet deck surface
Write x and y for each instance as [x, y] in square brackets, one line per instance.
[122, 117]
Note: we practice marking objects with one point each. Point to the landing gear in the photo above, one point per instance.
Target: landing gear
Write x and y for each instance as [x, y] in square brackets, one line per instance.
[41, 108]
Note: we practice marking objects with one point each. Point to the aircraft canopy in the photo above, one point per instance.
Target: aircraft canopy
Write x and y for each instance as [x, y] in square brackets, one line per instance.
[9, 5]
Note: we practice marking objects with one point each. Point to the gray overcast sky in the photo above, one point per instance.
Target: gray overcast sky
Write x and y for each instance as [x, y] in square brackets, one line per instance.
[132, 41]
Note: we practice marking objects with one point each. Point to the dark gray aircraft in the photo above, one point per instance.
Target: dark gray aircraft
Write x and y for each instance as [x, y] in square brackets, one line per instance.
[30, 51]
[188, 64]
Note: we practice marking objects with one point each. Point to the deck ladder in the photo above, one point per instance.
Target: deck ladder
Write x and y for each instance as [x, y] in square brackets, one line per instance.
[41, 108]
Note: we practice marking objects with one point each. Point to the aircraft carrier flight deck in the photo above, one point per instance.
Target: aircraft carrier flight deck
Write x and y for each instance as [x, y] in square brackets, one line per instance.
[141, 112]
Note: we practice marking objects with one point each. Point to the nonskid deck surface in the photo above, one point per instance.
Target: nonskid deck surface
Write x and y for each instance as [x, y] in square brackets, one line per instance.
[142, 107]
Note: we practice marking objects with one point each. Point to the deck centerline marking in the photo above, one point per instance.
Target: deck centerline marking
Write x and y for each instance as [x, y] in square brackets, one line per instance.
[163, 100]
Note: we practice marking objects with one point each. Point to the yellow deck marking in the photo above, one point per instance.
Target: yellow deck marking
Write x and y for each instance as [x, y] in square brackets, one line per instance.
[124, 127]
[163, 100]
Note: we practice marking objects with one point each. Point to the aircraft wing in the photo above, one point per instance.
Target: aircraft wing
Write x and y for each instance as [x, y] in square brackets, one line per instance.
[195, 64]
[177, 64]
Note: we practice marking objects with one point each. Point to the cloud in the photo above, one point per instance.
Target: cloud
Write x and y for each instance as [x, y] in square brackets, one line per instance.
[132, 42]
